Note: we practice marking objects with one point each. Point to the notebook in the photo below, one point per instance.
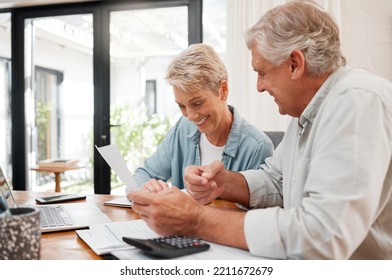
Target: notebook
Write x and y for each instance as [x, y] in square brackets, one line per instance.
[58, 217]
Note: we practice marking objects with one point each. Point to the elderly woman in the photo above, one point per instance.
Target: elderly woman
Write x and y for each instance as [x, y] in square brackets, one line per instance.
[208, 130]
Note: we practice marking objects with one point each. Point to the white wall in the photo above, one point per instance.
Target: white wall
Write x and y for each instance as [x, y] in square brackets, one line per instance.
[366, 28]
[128, 81]
[77, 96]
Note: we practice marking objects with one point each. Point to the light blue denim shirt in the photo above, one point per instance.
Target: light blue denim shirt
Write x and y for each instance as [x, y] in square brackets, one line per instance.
[246, 148]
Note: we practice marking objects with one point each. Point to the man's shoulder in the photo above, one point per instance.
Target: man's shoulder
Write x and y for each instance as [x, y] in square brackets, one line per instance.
[358, 81]
[360, 78]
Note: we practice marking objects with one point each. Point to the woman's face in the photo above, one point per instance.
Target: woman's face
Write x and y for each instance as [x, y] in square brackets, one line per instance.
[204, 108]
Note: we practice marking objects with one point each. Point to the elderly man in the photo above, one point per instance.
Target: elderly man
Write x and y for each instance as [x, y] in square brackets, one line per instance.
[326, 193]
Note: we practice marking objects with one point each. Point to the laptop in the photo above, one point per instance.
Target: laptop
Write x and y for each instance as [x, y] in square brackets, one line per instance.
[58, 217]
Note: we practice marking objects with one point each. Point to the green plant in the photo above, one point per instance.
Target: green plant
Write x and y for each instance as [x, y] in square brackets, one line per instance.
[42, 121]
[137, 134]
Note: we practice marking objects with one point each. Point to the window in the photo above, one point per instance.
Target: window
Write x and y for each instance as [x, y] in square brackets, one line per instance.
[5, 93]
[83, 63]
[214, 25]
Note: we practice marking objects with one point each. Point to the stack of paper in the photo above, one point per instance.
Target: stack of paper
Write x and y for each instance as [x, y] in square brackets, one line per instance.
[107, 238]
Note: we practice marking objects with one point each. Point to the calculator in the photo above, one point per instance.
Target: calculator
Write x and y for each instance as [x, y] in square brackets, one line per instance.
[169, 246]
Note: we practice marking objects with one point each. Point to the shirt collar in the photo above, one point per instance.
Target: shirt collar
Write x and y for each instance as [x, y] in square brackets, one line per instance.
[310, 112]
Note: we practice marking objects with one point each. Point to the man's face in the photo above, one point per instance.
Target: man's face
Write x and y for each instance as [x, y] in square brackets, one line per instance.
[278, 82]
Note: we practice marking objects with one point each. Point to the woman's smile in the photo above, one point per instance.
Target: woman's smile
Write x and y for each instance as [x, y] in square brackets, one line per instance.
[201, 122]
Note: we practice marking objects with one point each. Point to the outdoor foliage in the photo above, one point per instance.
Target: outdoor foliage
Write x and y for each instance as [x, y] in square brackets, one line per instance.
[137, 134]
[42, 121]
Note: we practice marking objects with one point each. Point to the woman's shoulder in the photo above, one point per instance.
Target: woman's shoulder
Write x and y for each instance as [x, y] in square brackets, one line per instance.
[245, 128]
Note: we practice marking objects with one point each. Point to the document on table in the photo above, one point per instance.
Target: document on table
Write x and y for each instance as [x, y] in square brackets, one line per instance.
[107, 238]
[216, 252]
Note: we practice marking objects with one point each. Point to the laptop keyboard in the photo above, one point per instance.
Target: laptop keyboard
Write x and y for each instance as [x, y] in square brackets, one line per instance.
[54, 216]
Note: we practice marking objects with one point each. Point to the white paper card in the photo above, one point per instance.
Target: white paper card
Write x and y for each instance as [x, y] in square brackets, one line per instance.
[113, 157]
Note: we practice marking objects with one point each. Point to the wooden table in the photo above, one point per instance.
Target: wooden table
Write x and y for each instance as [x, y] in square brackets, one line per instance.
[57, 172]
[66, 245]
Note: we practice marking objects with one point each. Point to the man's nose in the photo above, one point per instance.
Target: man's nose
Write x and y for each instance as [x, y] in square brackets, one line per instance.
[260, 85]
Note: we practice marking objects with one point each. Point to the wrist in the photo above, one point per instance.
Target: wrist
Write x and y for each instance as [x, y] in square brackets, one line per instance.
[235, 188]
[198, 221]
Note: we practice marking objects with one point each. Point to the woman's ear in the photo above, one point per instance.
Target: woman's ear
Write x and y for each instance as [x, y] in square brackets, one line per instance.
[297, 64]
[224, 89]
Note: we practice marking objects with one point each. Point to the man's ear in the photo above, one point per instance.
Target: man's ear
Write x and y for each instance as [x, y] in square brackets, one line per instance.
[297, 60]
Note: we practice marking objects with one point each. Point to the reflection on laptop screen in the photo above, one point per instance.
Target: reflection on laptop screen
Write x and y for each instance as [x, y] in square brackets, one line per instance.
[5, 191]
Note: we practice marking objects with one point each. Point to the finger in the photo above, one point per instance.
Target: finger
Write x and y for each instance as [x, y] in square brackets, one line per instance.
[163, 185]
[193, 175]
[200, 195]
[142, 198]
[152, 186]
[200, 188]
[207, 197]
[139, 209]
[129, 196]
[144, 189]
[142, 209]
[149, 187]
[211, 170]
[210, 197]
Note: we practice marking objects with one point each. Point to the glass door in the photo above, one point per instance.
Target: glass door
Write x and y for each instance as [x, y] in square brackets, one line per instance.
[142, 107]
[59, 98]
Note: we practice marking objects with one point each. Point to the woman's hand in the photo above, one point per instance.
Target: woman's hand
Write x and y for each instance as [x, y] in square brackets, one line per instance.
[205, 183]
[154, 186]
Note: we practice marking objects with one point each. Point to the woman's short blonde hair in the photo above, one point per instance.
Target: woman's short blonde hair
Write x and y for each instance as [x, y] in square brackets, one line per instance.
[197, 67]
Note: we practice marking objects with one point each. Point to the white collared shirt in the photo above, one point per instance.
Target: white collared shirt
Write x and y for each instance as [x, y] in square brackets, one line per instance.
[326, 193]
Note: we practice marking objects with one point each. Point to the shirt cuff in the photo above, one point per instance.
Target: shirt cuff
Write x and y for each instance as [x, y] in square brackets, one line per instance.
[257, 192]
[262, 233]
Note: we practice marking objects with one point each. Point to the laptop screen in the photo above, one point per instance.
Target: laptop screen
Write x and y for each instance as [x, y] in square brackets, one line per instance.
[5, 191]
